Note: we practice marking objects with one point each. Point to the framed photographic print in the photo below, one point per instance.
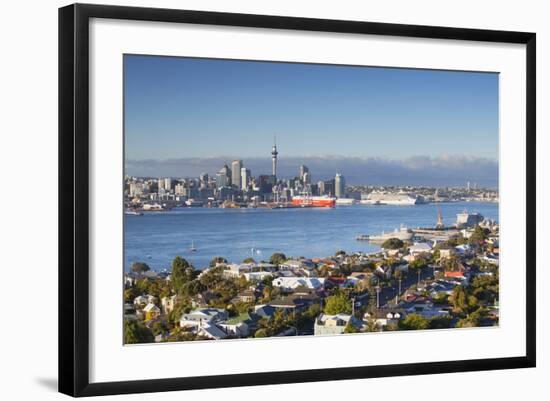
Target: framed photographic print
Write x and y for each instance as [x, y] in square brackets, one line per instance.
[250, 199]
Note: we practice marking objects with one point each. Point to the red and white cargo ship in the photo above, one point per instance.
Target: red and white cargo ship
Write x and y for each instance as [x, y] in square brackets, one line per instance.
[313, 201]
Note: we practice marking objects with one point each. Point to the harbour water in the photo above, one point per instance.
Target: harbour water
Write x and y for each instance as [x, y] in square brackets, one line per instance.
[156, 238]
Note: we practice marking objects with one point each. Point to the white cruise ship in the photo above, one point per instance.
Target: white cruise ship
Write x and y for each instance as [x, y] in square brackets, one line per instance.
[388, 198]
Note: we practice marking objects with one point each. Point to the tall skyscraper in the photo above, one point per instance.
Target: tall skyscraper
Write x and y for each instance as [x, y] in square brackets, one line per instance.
[236, 167]
[305, 177]
[274, 154]
[223, 177]
[167, 184]
[245, 178]
[339, 186]
[160, 184]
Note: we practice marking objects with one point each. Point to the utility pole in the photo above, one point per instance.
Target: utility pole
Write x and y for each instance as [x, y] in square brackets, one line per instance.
[398, 293]
[377, 297]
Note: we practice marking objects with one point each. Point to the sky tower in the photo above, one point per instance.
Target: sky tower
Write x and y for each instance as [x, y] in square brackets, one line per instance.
[274, 154]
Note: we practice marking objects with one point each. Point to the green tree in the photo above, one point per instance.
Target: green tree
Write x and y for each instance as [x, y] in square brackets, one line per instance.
[217, 259]
[479, 236]
[277, 258]
[371, 325]
[249, 260]
[338, 303]
[260, 333]
[140, 267]
[414, 321]
[182, 272]
[350, 328]
[135, 333]
[393, 243]
[440, 322]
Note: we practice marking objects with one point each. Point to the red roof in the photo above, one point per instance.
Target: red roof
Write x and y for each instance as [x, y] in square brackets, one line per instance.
[337, 280]
[454, 274]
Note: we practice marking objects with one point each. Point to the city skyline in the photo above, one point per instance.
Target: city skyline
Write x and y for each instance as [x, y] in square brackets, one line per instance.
[442, 171]
[185, 116]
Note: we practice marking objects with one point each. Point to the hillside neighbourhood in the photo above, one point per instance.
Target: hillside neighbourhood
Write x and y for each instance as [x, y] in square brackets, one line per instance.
[449, 281]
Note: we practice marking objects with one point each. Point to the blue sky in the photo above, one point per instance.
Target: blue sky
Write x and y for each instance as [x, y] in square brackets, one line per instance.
[181, 108]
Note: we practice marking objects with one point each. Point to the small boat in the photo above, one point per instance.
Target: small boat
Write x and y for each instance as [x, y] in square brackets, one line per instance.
[192, 248]
[362, 237]
[131, 212]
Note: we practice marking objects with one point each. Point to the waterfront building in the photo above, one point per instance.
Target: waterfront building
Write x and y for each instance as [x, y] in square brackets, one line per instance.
[160, 185]
[339, 186]
[136, 189]
[167, 184]
[223, 177]
[328, 187]
[321, 187]
[245, 178]
[468, 219]
[266, 183]
[179, 189]
[236, 167]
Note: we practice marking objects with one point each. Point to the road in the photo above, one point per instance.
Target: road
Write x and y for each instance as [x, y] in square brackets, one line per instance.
[387, 294]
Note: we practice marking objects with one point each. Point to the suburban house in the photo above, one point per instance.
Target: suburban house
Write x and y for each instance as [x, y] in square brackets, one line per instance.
[257, 276]
[236, 270]
[420, 250]
[385, 316]
[290, 283]
[151, 311]
[211, 331]
[144, 300]
[198, 317]
[203, 299]
[168, 304]
[426, 309]
[446, 253]
[238, 326]
[326, 325]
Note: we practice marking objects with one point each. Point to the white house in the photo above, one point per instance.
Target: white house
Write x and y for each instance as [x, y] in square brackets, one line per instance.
[199, 317]
[290, 283]
[326, 325]
[257, 276]
[385, 317]
[420, 249]
[144, 300]
[236, 270]
[211, 331]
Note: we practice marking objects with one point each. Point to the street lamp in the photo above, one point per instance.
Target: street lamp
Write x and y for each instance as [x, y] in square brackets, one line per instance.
[398, 292]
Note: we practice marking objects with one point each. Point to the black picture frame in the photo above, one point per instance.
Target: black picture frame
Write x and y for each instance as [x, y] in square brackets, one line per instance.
[74, 198]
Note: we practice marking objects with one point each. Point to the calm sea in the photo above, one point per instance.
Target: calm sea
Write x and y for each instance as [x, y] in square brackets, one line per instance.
[235, 234]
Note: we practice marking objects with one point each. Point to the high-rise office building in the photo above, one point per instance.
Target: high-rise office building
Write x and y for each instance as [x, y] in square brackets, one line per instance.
[304, 174]
[339, 186]
[236, 167]
[245, 178]
[328, 187]
[167, 184]
[223, 177]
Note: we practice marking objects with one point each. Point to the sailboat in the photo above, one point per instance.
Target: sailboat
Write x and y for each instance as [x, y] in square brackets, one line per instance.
[192, 248]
